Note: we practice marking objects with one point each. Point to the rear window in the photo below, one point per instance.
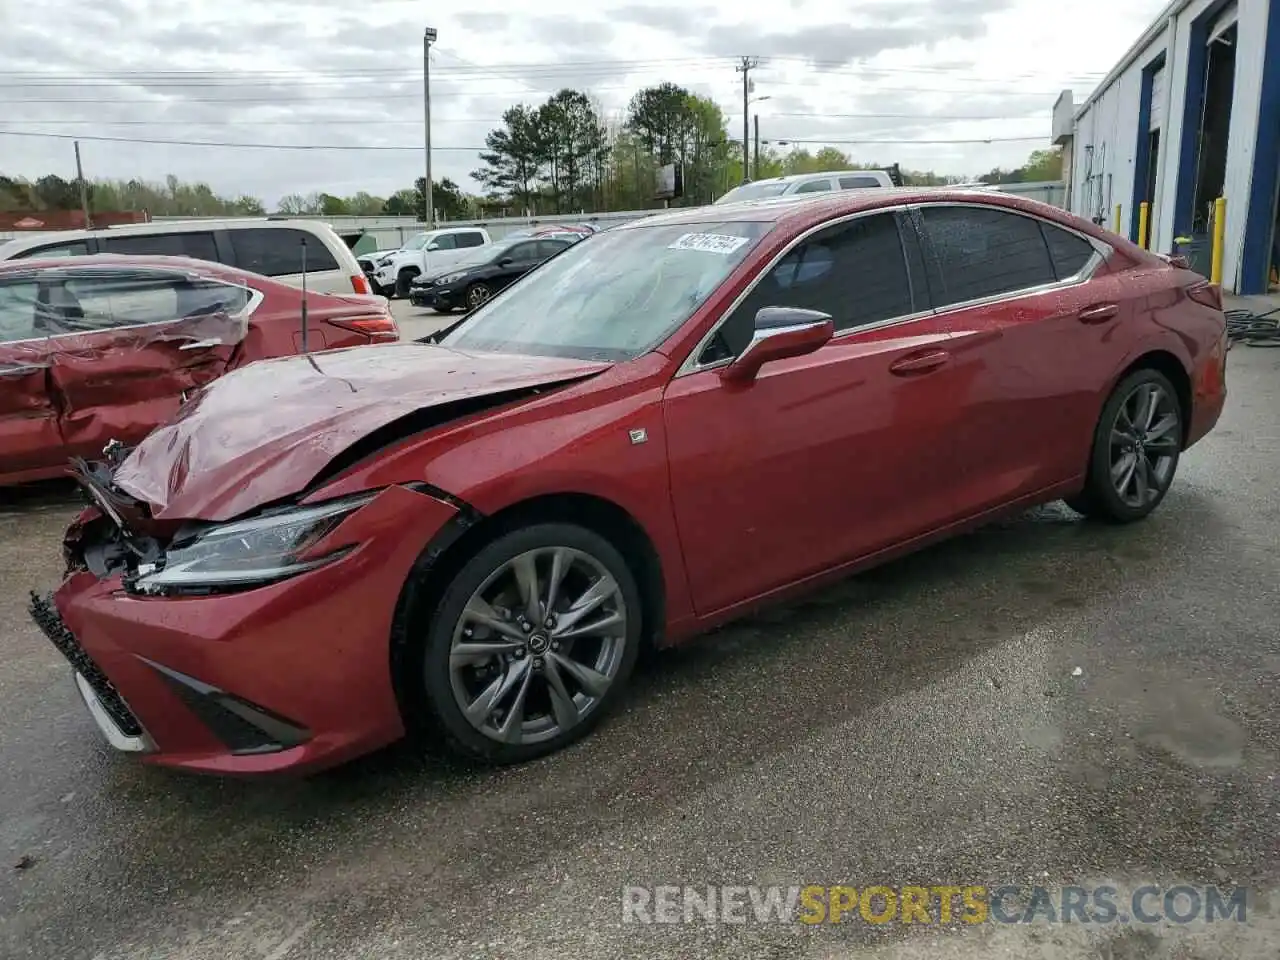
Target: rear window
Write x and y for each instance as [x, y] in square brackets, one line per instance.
[199, 246]
[857, 183]
[277, 251]
[814, 186]
[469, 240]
[76, 248]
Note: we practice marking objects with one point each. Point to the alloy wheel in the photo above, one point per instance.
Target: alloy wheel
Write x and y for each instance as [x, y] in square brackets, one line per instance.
[1145, 439]
[538, 645]
[478, 295]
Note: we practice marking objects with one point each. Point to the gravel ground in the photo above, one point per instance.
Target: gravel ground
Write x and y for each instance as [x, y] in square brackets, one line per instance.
[1045, 701]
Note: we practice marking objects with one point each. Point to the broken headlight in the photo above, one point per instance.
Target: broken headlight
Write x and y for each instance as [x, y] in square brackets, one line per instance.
[246, 553]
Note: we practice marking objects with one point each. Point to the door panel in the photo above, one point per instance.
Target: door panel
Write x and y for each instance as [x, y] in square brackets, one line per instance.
[1031, 364]
[113, 375]
[29, 438]
[821, 460]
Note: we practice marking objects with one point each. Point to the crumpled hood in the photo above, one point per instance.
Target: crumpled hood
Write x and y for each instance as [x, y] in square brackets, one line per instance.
[265, 431]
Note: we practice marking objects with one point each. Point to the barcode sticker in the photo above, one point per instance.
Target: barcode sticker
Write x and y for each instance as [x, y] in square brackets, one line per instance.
[709, 243]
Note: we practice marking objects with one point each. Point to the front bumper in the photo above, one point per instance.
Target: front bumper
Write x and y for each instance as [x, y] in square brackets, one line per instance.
[437, 298]
[290, 677]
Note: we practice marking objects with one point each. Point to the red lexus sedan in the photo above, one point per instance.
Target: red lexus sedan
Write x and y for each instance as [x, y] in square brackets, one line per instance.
[653, 432]
[105, 347]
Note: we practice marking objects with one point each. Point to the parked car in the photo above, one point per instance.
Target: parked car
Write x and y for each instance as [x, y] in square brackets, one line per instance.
[272, 248]
[649, 435]
[582, 229]
[801, 183]
[472, 280]
[369, 261]
[436, 250]
[104, 347]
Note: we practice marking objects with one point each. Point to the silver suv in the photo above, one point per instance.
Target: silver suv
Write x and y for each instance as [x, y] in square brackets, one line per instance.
[808, 183]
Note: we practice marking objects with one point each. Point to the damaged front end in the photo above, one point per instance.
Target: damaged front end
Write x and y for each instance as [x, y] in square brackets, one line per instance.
[116, 536]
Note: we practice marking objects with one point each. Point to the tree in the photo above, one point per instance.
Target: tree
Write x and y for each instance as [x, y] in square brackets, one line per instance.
[514, 156]
[447, 200]
[365, 205]
[402, 203]
[295, 204]
[331, 206]
[573, 139]
[249, 206]
[676, 126]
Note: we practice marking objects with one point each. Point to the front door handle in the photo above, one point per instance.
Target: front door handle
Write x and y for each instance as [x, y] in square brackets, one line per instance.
[201, 344]
[919, 362]
[1100, 313]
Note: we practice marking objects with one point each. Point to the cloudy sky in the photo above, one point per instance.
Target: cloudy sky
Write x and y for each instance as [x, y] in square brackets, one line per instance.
[884, 80]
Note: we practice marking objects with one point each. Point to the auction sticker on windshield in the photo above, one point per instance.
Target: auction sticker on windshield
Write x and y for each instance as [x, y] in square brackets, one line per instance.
[709, 243]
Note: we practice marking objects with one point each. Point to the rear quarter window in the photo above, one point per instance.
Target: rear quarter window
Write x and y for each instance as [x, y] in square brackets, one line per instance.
[1069, 251]
[199, 246]
[277, 251]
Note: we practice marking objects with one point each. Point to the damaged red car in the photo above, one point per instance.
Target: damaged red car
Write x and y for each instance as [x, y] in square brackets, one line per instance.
[648, 435]
[103, 348]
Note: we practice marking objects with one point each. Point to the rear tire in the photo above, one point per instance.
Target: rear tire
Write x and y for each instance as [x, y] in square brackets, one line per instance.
[403, 279]
[1136, 447]
[499, 686]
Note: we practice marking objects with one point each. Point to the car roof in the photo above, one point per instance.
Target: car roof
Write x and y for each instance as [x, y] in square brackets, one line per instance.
[166, 226]
[816, 175]
[184, 264]
[806, 210]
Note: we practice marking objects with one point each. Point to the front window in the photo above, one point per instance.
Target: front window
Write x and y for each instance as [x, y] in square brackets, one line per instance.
[761, 190]
[614, 298]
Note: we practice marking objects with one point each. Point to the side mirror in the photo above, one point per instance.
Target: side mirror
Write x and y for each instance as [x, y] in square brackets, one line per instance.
[780, 332]
[505, 262]
[433, 245]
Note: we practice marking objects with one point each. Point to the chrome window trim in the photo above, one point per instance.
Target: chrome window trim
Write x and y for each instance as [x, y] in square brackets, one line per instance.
[1101, 252]
[255, 300]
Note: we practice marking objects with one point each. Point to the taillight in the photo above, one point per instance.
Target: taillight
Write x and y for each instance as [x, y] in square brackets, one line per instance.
[1206, 294]
[360, 284]
[375, 328]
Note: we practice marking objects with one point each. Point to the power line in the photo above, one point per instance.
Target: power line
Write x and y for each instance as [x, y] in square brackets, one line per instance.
[496, 121]
[418, 148]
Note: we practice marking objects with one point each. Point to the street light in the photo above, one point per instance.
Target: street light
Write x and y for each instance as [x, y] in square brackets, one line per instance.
[428, 37]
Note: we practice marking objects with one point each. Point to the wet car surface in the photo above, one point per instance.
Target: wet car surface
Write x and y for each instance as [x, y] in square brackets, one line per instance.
[920, 723]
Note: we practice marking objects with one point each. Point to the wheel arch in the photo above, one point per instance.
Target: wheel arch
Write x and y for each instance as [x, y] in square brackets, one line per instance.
[1168, 364]
[470, 531]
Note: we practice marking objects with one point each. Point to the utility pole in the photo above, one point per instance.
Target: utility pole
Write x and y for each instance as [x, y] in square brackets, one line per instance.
[755, 121]
[745, 67]
[84, 189]
[428, 35]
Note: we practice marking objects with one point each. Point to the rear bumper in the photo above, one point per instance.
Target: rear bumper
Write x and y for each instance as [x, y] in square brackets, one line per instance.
[287, 678]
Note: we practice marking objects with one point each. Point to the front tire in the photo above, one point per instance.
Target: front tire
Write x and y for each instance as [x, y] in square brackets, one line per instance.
[477, 295]
[403, 279]
[1135, 452]
[530, 645]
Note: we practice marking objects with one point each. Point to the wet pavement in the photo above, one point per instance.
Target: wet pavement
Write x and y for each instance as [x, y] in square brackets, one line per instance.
[920, 724]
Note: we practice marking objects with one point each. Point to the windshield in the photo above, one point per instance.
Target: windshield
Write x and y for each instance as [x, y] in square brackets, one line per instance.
[416, 242]
[479, 255]
[614, 298]
[754, 191]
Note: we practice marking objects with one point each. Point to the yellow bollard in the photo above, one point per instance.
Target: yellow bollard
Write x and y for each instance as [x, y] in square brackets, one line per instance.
[1144, 211]
[1219, 235]
[1116, 226]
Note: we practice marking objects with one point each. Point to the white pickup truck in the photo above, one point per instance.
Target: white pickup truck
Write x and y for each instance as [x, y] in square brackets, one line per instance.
[426, 253]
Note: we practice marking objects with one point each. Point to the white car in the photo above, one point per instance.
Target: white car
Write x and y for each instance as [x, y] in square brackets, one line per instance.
[432, 251]
[808, 183]
[270, 247]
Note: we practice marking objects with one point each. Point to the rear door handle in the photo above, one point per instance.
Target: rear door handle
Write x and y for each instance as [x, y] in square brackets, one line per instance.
[919, 362]
[1100, 313]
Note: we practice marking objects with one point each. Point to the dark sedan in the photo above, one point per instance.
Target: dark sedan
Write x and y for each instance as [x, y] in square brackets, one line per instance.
[470, 282]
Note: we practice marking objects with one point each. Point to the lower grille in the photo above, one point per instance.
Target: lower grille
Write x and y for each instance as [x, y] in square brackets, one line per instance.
[50, 623]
